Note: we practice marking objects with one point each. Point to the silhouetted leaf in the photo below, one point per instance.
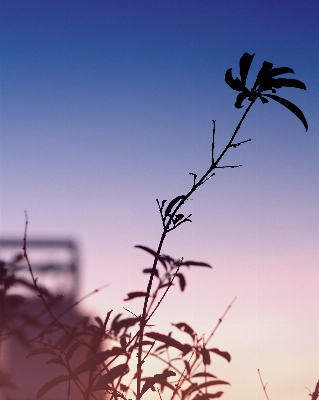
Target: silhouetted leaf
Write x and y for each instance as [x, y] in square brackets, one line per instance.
[280, 82]
[235, 84]
[158, 378]
[280, 71]
[223, 354]
[263, 100]
[169, 341]
[115, 322]
[172, 203]
[263, 73]
[123, 342]
[195, 387]
[240, 98]
[71, 350]
[182, 326]
[110, 376]
[206, 356]
[179, 217]
[206, 396]
[187, 366]
[96, 359]
[124, 323]
[182, 281]
[49, 385]
[144, 343]
[189, 390]
[133, 295]
[203, 374]
[56, 360]
[291, 107]
[195, 264]
[244, 65]
[42, 350]
[66, 338]
[148, 250]
[149, 271]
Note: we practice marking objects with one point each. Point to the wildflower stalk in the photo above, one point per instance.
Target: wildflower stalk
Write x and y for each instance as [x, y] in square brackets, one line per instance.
[167, 227]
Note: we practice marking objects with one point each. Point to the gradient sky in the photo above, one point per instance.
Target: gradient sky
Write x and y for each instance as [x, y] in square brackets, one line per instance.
[107, 105]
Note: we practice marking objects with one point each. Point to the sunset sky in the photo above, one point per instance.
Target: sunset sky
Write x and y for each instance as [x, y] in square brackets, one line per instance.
[107, 105]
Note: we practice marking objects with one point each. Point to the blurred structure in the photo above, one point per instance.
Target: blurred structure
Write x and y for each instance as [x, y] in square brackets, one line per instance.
[55, 263]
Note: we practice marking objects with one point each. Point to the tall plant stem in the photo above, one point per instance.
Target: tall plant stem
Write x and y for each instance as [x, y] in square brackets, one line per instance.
[166, 230]
[143, 319]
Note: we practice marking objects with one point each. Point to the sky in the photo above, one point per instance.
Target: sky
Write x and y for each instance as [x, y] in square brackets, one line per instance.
[108, 105]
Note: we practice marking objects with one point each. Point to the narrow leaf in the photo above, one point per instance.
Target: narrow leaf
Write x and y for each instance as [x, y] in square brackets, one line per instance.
[149, 271]
[49, 385]
[91, 362]
[56, 360]
[195, 264]
[110, 376]
[148, 250]
[172, 203]
[158, 378]
[263, 73]
[206, 356]
[66, 338]
[203, 374]
[182, 281]
[244, 65]
[235, 84]
[124, 323]
[279, 71]
[144, 343]
[169, 341]
[291, 107]
[133, 295]
[72, 349]
[240, 98]
[223, 354]
[280, 82]
[206, 396]
[182, 326]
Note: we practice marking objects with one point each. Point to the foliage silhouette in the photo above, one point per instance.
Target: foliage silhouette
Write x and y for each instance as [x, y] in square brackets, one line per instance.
[115, 371]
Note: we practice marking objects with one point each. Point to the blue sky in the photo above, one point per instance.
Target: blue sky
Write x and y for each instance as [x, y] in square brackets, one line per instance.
[107, 105]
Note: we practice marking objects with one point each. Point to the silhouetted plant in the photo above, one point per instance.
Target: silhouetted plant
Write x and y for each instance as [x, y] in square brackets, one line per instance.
[185, 373]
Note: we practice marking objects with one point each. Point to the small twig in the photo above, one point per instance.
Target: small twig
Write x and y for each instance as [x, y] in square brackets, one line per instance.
[220, 320]
[194, 176]
[149, 350]
[239, 143]
[158, 391]
[262, 384]
[213, 141]
[168, 286]
[230, 166]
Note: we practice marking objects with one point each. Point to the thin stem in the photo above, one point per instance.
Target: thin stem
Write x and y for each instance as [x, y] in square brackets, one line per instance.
[263, 385]
[144, 316]
[213, 141]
